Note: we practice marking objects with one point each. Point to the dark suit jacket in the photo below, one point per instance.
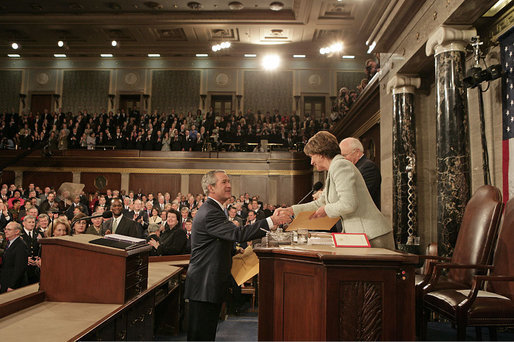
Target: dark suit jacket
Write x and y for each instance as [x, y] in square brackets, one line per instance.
[172, 241]
[371, 174]
[212, 241]
[125, 227]
[14, 266]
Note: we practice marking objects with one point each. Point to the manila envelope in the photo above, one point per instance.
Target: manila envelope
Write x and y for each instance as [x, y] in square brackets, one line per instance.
[302, 221]
[245, 266]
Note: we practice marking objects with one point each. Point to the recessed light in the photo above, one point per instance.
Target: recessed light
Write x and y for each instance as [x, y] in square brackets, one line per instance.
[15, 46]
[154, 55]
[13, 55]
[106, 55]
[60, 43]
[298, 56]
[59, 55]
[114, 43]
[250, 55]
[348, 57]
[202, 55]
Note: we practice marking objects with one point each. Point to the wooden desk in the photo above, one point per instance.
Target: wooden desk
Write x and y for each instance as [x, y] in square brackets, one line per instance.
[324, 293]
[62, 321]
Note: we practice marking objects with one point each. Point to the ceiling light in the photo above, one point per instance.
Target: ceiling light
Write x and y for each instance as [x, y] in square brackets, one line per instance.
[15, 46]
[59, 55]
[114, 43]
[270, 62]
[202, 55]
[223, 45]
[276, 6]
[336, 47]
[298, 56]
[371, 47]
[60, 43]
[250, 55]
[154, 55]
[106, 55]
[13, 55]
[348, 57]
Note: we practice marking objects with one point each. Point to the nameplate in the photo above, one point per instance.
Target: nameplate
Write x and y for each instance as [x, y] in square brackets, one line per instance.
[350, 240]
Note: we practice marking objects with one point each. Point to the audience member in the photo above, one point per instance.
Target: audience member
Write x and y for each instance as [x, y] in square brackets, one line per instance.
[14, 260]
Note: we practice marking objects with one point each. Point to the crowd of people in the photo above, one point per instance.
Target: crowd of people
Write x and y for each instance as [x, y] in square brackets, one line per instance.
[165, 221]
[191, 131]
[172, 131]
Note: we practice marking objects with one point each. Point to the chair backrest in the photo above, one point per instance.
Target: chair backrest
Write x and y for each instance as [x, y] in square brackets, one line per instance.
[504, 254]
[478, 232]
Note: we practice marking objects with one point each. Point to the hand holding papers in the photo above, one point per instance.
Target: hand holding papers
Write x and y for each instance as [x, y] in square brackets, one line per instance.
[304, 221]
[244, 266]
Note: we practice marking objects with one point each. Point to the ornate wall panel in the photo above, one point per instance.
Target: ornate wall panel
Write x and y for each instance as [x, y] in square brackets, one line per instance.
[155, 183]
[100, 181]
[349, 79]
[195, 184]
[175, 89]
[267, 91]
[7, 177]
[83, 89]
[42, 179]
[10, 88]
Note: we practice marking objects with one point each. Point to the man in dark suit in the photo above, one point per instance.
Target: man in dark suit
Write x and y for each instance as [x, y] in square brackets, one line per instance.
[138, 215]
[14, 261]
[120, 224]
[212, 243]
[352, 150]
[30, 235]
[257, 209]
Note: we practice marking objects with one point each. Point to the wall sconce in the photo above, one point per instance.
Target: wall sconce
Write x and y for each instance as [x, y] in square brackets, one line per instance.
[111, 97]
[56, 99]
[203, 96]
[146, 97]
[22, 99]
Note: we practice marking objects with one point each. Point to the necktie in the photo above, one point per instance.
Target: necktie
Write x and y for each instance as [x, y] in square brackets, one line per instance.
[114, 225]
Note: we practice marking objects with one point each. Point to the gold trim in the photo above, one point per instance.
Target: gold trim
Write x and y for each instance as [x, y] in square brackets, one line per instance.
[234, 172]
[372, 121]
[181, 159]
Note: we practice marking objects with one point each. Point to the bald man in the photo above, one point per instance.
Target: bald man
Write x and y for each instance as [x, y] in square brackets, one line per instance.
[352, 150]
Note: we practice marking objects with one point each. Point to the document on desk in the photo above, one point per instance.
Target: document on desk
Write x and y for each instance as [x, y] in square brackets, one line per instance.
[302, 221]
[245, 266]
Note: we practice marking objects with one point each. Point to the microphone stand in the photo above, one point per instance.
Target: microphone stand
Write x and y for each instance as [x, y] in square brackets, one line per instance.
[310, 192]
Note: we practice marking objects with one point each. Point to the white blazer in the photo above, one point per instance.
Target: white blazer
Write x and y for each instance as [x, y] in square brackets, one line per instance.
[346, 195]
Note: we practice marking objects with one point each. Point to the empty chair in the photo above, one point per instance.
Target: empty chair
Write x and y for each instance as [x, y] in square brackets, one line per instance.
[474, 245]
[491, 308]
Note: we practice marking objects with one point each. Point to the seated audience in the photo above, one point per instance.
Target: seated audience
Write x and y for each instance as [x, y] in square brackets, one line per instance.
[173, 239]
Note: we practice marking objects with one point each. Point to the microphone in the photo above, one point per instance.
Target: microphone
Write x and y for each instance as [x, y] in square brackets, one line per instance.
[105, 214]
[317, 186]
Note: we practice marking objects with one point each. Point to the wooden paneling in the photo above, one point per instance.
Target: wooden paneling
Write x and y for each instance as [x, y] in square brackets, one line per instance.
[7, 177]
[93, 181]
[42, 179]
[371, 142]
[195, 184]
[255, 185]
[155, 183]
[302, 184]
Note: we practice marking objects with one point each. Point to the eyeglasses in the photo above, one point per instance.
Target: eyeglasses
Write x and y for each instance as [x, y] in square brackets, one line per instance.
[347, 154]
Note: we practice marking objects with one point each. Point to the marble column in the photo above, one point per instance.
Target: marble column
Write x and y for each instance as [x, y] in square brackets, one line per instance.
[405, 203]
[448, 45]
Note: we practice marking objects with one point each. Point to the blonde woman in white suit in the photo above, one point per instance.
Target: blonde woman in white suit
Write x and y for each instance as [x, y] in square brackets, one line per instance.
[345, 194]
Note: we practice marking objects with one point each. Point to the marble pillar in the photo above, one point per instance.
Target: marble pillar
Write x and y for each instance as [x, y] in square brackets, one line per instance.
[405, 202]
[452, 132]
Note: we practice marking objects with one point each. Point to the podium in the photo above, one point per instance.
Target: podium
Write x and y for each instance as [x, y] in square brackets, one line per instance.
[73, 270]
[322, 293]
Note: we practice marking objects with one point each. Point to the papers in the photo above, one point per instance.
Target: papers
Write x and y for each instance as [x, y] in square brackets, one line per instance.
[245, 266]
[302, 221]
[350, 240]
[124, 238]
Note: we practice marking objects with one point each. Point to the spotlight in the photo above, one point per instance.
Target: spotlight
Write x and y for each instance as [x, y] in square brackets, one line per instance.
[223, 45]
[476, 75]
[114, 43]
[270, 62]
[15, 46]
[334, 48]
[60, 43]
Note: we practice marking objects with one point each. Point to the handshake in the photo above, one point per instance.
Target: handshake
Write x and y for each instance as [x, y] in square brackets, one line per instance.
[282, 216]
